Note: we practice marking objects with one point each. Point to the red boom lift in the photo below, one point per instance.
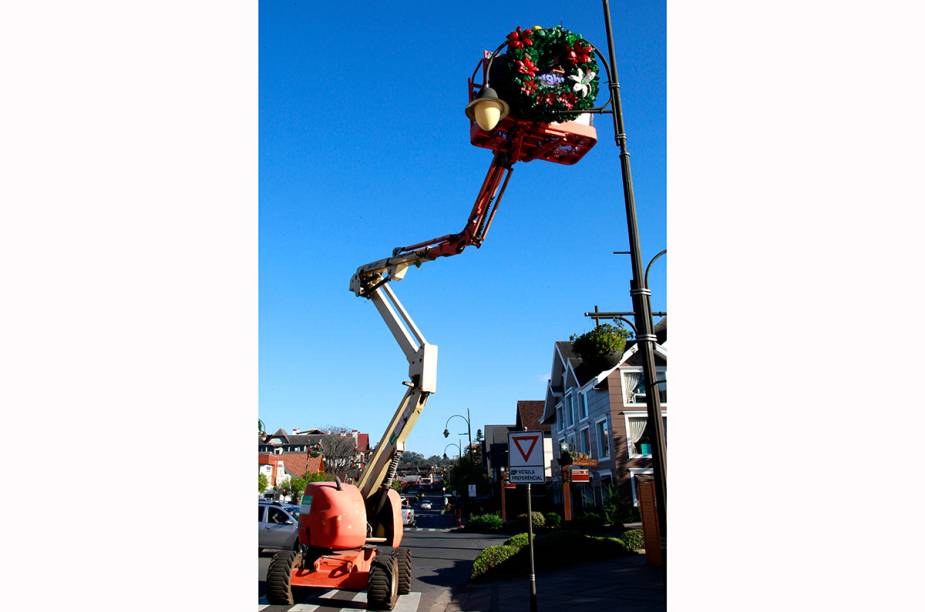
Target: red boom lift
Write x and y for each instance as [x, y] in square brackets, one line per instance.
[342, 525]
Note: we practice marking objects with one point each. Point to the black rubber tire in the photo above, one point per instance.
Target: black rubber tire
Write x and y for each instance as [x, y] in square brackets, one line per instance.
[279, 591]
[382, 590]
[402, 557]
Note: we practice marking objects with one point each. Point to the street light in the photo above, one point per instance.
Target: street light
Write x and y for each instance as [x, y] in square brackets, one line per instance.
[446, 430]
[487, 109]
[457, 445]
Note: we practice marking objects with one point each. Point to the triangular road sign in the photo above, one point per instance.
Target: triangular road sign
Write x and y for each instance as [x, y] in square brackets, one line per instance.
[520, 441]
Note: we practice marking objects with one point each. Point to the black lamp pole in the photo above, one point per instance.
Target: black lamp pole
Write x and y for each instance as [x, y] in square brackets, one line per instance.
[468, 420]
[638, 290]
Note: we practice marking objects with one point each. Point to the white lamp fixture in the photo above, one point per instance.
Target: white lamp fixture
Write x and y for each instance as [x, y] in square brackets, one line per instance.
[487, 109]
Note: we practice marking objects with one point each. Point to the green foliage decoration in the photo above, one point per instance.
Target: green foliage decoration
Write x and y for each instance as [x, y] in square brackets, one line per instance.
[548, 71]
[601, 345]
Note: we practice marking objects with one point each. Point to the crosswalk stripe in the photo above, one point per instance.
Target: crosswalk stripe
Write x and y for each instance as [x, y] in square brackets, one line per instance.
[406, 603]
[431, 529]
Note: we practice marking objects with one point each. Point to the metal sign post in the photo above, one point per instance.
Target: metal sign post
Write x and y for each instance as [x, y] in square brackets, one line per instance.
[530, 540]
[527, 465]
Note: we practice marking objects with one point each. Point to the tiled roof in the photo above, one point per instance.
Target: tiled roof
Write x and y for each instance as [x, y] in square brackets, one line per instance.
[529, 413]
[297, 464]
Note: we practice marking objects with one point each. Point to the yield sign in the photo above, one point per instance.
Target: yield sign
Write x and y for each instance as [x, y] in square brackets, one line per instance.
[525, 448]
[521, 441]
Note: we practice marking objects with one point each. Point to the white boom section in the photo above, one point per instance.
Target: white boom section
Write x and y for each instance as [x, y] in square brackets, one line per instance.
[422, 370]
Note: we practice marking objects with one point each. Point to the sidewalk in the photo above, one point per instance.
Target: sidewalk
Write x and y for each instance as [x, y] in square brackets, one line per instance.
[625, 584]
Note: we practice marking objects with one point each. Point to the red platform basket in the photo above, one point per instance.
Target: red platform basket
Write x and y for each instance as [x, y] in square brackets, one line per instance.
[562, 143]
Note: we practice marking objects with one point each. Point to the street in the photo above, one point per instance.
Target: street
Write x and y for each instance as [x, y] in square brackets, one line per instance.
[442, 562]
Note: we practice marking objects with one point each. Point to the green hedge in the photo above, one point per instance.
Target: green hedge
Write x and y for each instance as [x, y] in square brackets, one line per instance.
[633, 539]
[484, 522]
[492, 557]
[552, 550]
[589, 521]
[538, 520]
[520, 540]
[553, 519]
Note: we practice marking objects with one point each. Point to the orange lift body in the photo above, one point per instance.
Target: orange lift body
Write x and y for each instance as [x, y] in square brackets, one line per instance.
[334, 519]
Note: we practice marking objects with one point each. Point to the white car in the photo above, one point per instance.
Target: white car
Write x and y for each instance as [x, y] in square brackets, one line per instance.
[278, 527]
[427, 505]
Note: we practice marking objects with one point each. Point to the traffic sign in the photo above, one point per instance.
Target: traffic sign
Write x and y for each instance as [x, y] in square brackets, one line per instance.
[526, 457]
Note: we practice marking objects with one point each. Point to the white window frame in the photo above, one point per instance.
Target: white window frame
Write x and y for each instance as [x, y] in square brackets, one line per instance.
[583, 406]
[560, 417]
[633, 473]
[627, 414]
[607, 437]
[660, 373]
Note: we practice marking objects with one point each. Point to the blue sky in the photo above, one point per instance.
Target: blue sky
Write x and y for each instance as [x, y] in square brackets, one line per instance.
[364, 147]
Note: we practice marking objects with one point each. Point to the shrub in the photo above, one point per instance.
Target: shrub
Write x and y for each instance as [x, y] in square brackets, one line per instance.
[553, 550]
[538, 520]
[491, 558]
[633, 539]
[599, 346]
[484, 522]
[589, 521]
[520, 540]
[553, 519]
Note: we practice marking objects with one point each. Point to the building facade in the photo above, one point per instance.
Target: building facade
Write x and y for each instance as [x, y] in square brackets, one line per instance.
[602, 418]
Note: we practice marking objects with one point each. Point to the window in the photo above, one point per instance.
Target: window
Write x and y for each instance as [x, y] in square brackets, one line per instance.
[571, 409]
[584, 441]
[560, 424]
[260, 510]
[634, 388]
[583, 406]
[603, 439]
[277, 516]
[634, 475]
[637, 439]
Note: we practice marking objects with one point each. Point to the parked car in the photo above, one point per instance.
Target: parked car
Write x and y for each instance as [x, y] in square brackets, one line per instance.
[427, 505]
[407, 513]
[278, 528]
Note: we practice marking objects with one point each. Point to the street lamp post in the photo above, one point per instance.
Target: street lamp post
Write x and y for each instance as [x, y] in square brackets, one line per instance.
[467, 419]
[457, 445]
[638, 290]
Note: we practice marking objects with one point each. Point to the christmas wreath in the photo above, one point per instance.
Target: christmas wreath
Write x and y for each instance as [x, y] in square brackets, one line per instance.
[546, 73]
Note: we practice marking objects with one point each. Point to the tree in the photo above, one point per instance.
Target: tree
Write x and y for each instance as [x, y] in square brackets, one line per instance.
[411, 459]
[340, 452]
[466, 471]
[262, 482]
[295, 486]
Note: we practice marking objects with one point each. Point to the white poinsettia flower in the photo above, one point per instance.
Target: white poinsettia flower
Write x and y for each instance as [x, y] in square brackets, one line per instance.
[582, 82]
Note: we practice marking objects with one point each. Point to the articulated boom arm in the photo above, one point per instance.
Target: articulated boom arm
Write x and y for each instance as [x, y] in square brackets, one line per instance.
[369, 276]
[372, 281]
